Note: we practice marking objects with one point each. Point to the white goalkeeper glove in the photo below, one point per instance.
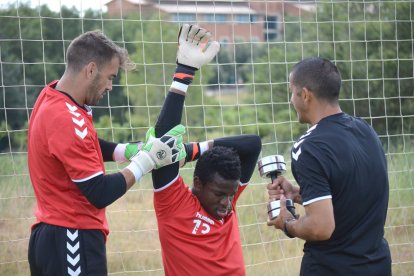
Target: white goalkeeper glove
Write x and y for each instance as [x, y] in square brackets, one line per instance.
[194, 50]
[194, 46]
[158, 152]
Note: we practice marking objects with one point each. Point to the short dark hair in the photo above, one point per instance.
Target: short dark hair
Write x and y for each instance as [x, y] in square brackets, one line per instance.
[221, 160]
[318, 75]
[94, 46]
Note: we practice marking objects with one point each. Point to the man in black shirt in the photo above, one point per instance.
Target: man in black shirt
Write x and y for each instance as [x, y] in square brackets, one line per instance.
[341, 169]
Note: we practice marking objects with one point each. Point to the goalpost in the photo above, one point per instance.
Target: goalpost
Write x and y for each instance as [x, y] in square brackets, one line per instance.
[244, 90]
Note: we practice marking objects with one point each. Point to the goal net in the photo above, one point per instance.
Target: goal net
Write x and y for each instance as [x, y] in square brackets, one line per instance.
[244, 90]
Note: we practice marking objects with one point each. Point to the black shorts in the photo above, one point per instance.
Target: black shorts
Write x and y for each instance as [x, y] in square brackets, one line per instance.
[55, 250]
[342, 264]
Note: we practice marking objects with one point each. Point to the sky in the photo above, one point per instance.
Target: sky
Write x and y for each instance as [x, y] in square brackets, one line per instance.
[56, 4]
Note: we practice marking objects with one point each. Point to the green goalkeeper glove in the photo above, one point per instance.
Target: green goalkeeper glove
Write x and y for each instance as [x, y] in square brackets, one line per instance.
[131, 149]
[158, 152]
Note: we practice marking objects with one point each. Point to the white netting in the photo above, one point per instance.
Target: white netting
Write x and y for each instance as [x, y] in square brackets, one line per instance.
[245, 90]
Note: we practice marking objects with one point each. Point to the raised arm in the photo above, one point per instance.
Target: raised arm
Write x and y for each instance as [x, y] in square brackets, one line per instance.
[194, 50]
[248, 147]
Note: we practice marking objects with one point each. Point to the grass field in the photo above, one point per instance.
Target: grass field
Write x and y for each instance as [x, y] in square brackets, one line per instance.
[133, 247]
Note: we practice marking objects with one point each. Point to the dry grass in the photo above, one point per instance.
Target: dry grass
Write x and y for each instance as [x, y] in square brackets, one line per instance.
[133, 247]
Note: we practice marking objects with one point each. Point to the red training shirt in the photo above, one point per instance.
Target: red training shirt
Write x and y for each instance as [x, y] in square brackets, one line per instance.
[193, 242]
[63, 148]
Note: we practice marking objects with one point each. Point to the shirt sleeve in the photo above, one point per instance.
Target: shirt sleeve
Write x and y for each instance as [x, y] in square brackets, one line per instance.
[241, 188]
[79, 154]
[172, 197]
[310, 174]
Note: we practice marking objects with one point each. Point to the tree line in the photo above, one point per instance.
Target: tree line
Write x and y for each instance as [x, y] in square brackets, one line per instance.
[371, 44]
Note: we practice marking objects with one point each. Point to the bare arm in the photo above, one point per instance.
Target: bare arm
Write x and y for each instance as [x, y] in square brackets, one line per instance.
[317, 224]
[129, 178]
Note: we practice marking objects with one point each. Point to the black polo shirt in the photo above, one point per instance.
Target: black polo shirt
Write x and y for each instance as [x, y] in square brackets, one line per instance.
[342, 158]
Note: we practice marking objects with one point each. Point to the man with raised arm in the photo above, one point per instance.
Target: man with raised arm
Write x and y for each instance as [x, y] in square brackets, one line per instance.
[198, 227]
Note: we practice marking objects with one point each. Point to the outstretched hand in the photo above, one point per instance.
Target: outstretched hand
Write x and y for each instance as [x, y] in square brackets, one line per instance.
[194, 46]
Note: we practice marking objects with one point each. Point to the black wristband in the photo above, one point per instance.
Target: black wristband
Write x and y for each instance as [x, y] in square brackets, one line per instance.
[285, 230]
[184, 74]
[192, 150]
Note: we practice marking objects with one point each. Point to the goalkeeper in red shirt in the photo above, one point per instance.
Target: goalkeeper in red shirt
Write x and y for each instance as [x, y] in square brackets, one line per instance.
[198, 227]
[66, 162]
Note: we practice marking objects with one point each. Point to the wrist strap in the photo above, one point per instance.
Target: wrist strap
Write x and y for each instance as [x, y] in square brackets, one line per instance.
[193, 151]
[285, 230]
[119, 153]
[184, 74]
[179, 86]
[136, 171]
[203, 147]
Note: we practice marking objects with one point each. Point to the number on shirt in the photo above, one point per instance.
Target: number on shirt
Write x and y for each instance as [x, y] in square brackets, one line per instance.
[205, 228]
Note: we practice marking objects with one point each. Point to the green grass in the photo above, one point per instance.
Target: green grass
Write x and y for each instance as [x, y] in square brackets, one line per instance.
[133, 247]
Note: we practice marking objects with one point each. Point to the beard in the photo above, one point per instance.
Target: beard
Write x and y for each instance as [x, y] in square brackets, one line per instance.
[94, 93]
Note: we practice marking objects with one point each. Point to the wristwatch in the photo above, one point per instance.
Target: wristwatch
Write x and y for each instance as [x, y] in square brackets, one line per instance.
[285, 230]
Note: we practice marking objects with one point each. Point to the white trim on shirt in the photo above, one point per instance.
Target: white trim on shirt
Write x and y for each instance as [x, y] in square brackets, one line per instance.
[167, 185]
[87, 178]
[316, 199]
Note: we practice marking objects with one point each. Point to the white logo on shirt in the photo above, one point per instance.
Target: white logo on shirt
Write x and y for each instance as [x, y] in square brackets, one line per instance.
[296, 153]
[198, 222]
[78, 123]
[296, 145]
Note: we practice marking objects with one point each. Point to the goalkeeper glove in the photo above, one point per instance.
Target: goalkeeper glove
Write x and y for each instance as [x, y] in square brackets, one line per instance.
[158, 152]
[124, 152]
[132, 149]
[194, 50]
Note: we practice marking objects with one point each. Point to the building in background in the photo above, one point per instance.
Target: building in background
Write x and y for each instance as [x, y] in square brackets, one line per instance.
[230, 21]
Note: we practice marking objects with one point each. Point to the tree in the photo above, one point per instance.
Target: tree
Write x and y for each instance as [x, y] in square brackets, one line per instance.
[33, 44]
[371, 45]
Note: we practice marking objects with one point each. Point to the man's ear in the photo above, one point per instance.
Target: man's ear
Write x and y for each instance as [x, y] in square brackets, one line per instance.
[197, 185]
[91, 70]
[307, 94]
